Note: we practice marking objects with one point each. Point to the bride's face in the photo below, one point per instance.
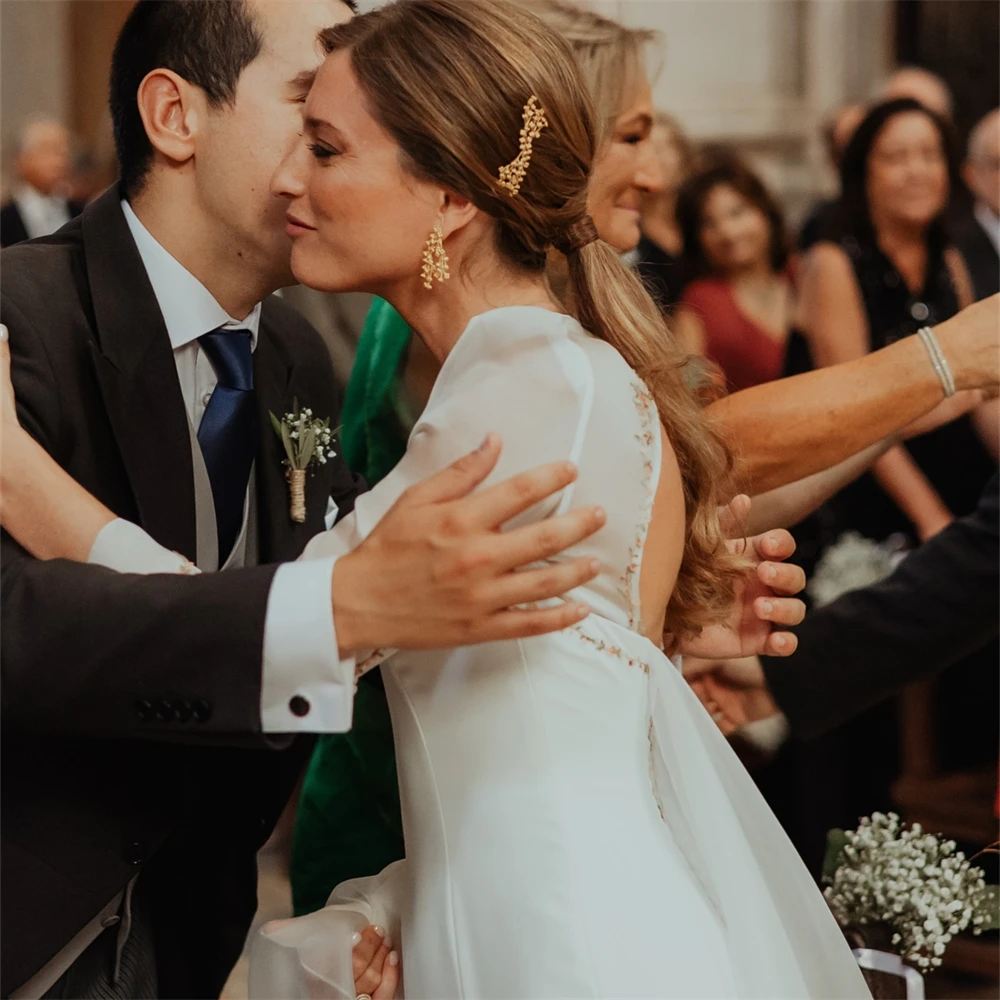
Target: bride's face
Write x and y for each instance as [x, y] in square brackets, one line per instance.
[626, 168]
[358, 221]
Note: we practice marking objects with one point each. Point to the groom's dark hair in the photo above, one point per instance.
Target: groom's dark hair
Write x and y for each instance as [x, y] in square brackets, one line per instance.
[207, 42]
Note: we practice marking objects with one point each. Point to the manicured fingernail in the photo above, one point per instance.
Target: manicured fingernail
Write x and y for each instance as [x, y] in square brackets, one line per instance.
[770, 572]
[393, 958]
[779, 641]
[3, 332]
[595, 566]
[486, 442]
[570, 468]
[581, 609]
[355, 938]
[773, 540]
[380, 931]
[386, 942]
[767, 607]
[600, 515]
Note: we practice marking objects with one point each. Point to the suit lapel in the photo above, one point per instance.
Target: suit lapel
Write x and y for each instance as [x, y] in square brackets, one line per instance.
[273, 375]
[138, 378]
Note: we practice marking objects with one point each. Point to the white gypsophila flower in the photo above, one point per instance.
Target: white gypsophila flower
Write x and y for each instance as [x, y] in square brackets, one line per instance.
[851, 563]
[918, 884]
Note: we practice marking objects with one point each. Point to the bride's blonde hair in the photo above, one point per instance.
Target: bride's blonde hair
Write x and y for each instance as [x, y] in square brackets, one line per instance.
[449, 81]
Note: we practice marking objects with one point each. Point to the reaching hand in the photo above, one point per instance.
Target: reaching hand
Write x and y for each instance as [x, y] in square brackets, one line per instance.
[765, 599]
[438, 572]
[733, 691]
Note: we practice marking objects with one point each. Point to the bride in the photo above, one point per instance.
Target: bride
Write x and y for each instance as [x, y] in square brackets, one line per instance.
[575, 824]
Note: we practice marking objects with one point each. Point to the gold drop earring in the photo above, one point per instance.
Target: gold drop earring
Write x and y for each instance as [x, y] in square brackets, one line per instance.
[435, 258]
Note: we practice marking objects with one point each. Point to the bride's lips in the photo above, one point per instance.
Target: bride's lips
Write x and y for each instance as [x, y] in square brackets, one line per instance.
[296, 227]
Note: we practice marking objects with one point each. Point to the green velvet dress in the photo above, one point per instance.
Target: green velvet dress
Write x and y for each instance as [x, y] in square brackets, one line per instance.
[349, 822]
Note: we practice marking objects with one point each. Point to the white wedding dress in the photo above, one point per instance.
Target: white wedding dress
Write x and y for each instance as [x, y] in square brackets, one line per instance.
[575, 824]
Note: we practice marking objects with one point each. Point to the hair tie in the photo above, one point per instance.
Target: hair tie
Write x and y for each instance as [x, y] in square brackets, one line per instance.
[581, 233]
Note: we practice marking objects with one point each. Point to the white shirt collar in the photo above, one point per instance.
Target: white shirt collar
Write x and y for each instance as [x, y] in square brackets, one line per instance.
[189, 308]
[989, 222]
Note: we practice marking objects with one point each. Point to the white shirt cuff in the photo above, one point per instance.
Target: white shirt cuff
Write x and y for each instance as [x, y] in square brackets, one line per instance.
[305, 686]
[124, 547]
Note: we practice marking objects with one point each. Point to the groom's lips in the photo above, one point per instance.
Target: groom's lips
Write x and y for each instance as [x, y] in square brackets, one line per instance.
[296, 227]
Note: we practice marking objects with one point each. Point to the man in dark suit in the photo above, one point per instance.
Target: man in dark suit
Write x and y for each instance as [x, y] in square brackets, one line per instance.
[38, 207]
[148, 721]
[941, 605]
[978, 234]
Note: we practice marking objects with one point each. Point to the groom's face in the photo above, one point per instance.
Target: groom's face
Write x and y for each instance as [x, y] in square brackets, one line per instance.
[244, 144]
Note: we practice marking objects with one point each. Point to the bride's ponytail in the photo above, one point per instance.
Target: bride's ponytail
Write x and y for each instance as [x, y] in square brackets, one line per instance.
[611, 302]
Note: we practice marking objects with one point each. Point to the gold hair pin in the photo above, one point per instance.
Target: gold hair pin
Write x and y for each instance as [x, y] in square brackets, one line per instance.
[512, 175]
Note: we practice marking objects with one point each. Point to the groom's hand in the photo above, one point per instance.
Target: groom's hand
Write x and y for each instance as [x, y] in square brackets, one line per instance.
[437, 571]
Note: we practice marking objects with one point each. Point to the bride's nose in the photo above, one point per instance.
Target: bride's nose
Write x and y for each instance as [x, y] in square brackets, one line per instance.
[290, 179]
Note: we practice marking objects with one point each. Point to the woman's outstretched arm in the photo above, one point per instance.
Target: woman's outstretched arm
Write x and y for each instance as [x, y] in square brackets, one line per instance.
[41, 505]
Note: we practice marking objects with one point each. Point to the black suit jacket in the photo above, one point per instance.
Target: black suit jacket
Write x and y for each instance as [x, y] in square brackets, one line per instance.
[941, 605]
[980, 256]
[131, 735]
[12, 225]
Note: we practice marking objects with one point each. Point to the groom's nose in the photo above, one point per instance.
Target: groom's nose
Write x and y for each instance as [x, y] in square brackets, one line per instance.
[289, 180]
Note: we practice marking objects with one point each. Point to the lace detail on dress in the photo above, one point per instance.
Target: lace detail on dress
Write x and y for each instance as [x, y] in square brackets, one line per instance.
[616, 651]
[646, 439]
[652, 772]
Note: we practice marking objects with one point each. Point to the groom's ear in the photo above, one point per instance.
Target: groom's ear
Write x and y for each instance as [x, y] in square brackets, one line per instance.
[457, 212]
[172, 111]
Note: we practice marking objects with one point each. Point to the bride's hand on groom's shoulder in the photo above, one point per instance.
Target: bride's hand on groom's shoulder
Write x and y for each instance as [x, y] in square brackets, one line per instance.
[765, 601]
[438, 572]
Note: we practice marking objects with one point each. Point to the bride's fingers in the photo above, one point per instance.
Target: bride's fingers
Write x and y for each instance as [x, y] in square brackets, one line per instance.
[390, 978]
[371, 978]
[365, 948]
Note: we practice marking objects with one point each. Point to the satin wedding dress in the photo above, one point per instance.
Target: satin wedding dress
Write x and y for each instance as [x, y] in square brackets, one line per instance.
[575, 824]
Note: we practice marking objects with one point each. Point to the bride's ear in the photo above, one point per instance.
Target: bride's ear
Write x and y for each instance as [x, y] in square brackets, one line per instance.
[456, 212]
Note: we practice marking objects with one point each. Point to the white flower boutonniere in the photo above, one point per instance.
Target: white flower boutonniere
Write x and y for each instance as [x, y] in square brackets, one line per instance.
[307, 443]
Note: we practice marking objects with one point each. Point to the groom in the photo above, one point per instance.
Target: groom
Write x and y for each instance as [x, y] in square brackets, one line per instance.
[147, 720]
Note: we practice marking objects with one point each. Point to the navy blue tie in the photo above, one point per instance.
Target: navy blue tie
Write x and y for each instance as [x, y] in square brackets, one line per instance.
[228, 431]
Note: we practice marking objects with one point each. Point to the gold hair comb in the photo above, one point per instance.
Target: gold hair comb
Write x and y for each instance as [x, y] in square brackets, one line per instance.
[513, 173]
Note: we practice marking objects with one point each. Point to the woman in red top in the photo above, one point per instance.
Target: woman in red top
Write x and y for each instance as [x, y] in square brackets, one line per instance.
[739, 304]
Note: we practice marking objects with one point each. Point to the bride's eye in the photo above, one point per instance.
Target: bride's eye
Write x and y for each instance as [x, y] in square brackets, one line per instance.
[321, 152]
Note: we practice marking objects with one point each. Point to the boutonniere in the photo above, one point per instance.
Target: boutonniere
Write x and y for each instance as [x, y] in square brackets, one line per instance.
[307, 443]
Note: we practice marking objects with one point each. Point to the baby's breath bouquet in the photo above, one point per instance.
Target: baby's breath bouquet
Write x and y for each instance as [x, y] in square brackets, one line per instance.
[916, 884]
[307, 441]
[853, 562]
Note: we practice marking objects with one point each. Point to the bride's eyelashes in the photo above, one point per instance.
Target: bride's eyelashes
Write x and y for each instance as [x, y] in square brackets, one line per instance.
[321, 152]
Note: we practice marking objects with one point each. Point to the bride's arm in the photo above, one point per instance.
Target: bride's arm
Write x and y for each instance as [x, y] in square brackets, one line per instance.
[50, 514]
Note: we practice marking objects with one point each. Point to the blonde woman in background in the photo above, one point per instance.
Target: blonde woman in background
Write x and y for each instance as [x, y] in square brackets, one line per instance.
[659, 250]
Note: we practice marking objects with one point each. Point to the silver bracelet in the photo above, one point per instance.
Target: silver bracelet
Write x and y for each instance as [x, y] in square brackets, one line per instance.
[938, 360]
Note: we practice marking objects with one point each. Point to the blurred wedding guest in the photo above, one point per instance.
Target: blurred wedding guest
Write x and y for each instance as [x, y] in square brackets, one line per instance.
[921, 85]
[977, 235]
[886, 269]
[659, 250]
[39, 205]
[838, 127]
[738, 305]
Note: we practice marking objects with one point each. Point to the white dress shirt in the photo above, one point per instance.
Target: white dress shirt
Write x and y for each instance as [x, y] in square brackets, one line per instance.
[42, 214]
[300, 656]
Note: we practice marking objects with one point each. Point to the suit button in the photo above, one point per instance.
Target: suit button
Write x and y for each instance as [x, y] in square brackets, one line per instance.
[144, 709]
[299, 706]
[202, 710]
[183, 710]
[133, 854]
[163, 711]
